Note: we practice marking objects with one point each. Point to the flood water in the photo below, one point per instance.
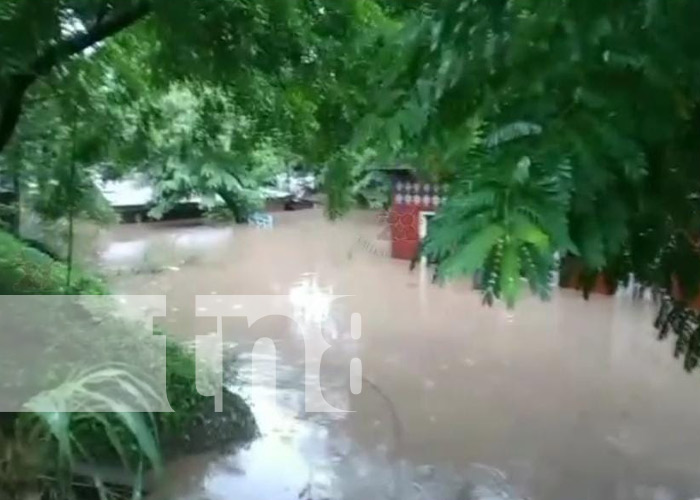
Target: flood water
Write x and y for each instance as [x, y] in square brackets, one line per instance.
[553, 401]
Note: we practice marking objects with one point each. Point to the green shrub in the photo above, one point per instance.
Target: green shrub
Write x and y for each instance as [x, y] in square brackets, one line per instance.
[27, 271]
[193, 426]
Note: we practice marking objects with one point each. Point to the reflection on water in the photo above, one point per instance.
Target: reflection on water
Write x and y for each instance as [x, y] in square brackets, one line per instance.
[565, 400]
[311, 302]
[124, 251]
[298, 458]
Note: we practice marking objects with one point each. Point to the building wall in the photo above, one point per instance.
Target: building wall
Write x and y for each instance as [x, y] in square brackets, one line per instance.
[409, 199]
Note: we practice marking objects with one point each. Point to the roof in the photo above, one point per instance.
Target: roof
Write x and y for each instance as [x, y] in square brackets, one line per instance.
[127, 192]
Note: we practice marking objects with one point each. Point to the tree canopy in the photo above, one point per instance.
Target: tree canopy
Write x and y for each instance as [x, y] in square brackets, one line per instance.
[207, 98]
[563, 128]
[268, 54]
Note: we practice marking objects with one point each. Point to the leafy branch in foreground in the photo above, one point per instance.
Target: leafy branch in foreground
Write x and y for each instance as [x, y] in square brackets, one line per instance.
[44, 48]
[504, 218]
[590, 112]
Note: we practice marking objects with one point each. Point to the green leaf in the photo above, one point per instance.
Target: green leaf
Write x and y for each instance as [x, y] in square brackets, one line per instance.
[511, 132]
[528, 232]
[469, 258]
[510, 274]
[522, 170]
[474, 201]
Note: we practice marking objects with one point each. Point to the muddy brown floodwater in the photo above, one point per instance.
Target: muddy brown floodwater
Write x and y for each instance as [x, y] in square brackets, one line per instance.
[553, 401]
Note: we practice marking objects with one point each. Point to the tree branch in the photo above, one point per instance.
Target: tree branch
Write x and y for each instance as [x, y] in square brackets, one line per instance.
[18, 84]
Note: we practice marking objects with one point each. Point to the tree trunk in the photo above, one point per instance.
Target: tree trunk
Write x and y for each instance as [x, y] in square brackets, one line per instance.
[12, 107]
[237, 208]
[10, 196]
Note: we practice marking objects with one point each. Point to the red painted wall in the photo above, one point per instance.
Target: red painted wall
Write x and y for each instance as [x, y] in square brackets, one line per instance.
[409, 199]
[404, 231]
